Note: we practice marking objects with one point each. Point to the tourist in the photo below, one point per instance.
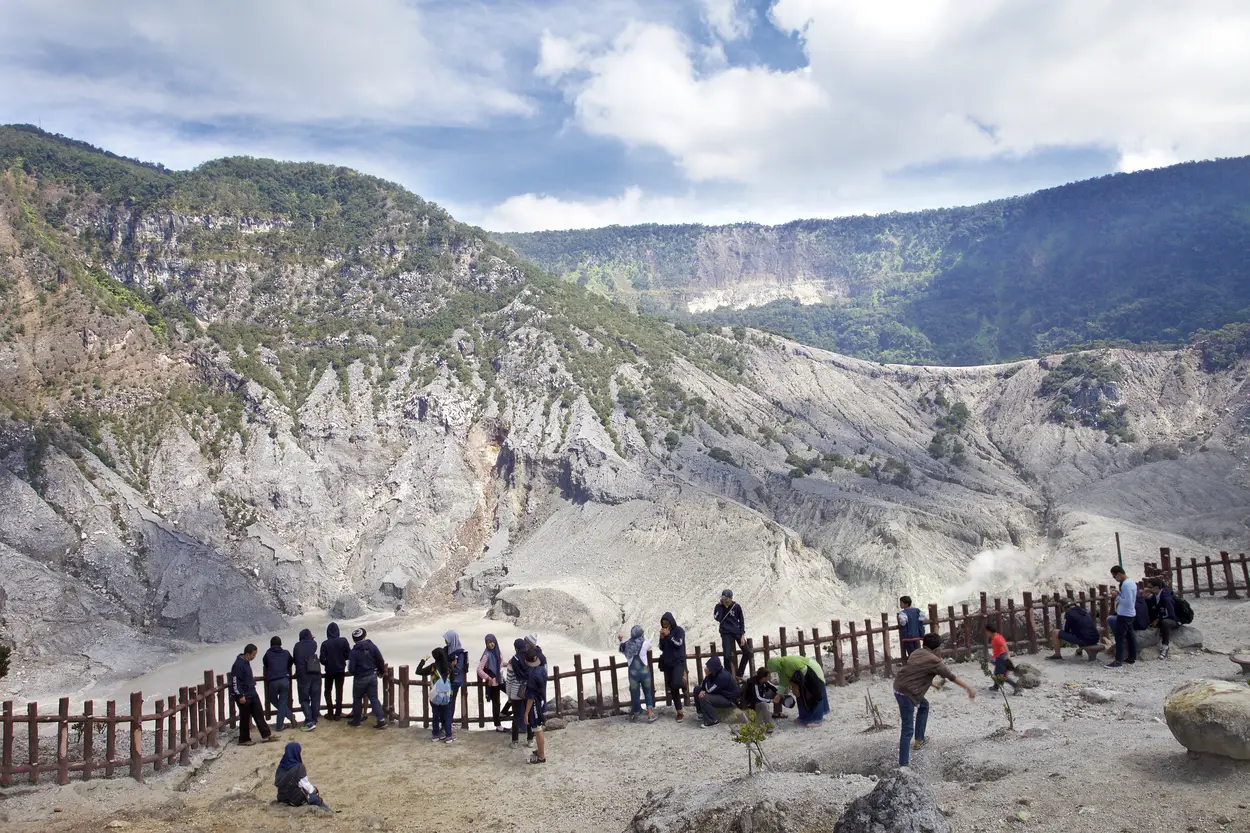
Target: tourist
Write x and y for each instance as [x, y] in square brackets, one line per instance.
[518, 678]
[490, 674]
[911, 684]
[531, 641]
[806, 679]
[733, 628]
[442, 695]
[536, 702]
[760, 695]
[308, 678]
[1078, 629]
[718, 690]
[1001, 659]
[277, 665]
[673, 663]
[911, 622]
[458, 663]
[243, 690]
[1126, 614]
[333, 656]
[1163, 615]
[292, 782]
[638, 669]
[365, 664]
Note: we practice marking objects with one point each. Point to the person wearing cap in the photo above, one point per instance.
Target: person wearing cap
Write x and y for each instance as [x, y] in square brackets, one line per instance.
[536, 703]
[365, 664]
[1078, 629]
[733, 628]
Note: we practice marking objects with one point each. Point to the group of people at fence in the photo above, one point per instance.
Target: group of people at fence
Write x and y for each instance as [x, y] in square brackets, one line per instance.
[517, 687]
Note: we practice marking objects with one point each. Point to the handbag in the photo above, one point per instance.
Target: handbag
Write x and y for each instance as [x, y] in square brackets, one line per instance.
[515, 687]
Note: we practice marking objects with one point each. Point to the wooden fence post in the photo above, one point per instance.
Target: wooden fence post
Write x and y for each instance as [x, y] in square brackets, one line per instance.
[802, 644]
[222, 710]
[616, 689]
[872, 651]
[88, 738]
[816, 647]
[839, 671]
[6, 744]
[750, 649]
[781, 636]
[854, 649]
[110, 737]
[1210, 576]
[1193, 568]
[1030, 627]
[184, 717]
[767, 649]
[32, 740]
[62, 743]
[171, 714]
[598, 686]
[1229, 583]
[885, 643]
[650, 675]
[555, 680]
[1180, 576]
[404, 701]
[158, 738]
[1245, 571]
[136, 736]
[581, 691]
[210, 708]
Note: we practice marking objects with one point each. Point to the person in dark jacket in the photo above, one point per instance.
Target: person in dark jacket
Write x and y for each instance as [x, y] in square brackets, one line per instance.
[1163, 613]
[243, 690]
[458, 662]
[733, 629]
[440, 669]
[760, 695]
[278, 665]
[719, 690]
[673, 663]
[517, 679]
[308, 678]
[1078, 629]
[292, 782]
[911, 622]
[333, 656]
[536, 703]
[365, 664]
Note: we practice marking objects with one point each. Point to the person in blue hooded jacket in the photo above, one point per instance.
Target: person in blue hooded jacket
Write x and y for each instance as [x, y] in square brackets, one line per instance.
[458, 662]
[278, 663]
[308, 678]
[719, 690]
[333, 656]
[673, 663]
[365, 664]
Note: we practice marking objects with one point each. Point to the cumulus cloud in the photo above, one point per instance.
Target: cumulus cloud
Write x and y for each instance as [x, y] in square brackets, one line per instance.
[726, 18]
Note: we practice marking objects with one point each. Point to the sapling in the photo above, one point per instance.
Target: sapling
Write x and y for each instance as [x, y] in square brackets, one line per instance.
[1001, 683]
[752, 735]
[873, 711]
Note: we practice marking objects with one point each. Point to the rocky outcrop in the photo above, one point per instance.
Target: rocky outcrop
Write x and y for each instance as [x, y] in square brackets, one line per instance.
[1211, 716]
[901, 803]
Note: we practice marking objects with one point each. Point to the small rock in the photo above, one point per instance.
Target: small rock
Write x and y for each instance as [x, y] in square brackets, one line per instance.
[58, 810]
[1027, 802]
[1223, 820]
[554, 724]
[117, 824]
[1097, 695]
[1022, 816]
[811, 766]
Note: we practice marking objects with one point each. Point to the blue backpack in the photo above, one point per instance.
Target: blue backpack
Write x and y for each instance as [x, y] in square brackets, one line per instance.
[442, 692]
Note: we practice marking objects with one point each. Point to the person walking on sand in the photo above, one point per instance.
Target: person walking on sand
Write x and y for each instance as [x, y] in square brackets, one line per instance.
[1126, 617]
[365, 664]
[806, 679]
[733, 627]
[536, 703]
[458, 664]
[518, 678]
[718, 690]
[291, 779]
[490, 673]
[1001, 659]
[243, 690]
[638, 669]
[911, 622]
[911, 684]
[442, 697]
[1078, 629]
[673, 663]
[278, 665]
[333, 656]
[308, 678]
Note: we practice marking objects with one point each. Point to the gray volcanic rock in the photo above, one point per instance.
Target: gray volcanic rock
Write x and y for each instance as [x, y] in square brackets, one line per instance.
[901, 803]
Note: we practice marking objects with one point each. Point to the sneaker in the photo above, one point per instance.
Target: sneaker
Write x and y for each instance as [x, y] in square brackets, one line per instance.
[270, 739]
[1163, 652]
[248, 742]
[450, 740]
[1116, 664]
[529, 743]
[651, 718]
[353, 723]
[708, 724]
[437, 738]
[381, 724]
[680, 717]
[504, 729]
[516, 744]
[310, 727]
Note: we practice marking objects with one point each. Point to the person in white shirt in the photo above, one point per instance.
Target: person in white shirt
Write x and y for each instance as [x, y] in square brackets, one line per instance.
[1126, 614]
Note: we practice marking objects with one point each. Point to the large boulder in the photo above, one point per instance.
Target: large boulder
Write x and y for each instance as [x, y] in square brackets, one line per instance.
[1211, 716]
[901, 803]
[1186, 636]
[346, 607]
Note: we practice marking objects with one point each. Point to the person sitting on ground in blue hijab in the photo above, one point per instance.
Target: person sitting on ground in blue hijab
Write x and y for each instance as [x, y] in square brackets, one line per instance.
[292, 782]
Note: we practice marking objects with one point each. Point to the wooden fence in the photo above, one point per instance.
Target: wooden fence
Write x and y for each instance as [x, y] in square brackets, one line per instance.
[167, 732]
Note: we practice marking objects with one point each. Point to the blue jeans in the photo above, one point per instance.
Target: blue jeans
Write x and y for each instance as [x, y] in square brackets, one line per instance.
[638, 688]
[914, 719]
[1125, 638]
[309, 698]
[366, 688]
[442, 727]
[279, 698]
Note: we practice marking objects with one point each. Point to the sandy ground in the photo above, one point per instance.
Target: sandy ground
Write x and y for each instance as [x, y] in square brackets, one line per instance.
[1071, 765]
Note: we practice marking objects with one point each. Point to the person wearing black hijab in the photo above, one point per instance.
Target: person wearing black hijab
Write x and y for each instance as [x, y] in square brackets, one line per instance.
[517, 680]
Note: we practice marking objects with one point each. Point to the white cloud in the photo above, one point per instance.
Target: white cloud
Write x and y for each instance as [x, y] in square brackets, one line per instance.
[726, 19]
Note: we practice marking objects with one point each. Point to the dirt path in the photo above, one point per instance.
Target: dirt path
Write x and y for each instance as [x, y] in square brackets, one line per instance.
[1071, 766]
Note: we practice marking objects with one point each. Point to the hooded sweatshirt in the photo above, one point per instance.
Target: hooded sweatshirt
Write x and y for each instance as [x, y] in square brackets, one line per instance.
[1080, 624]
[673, 646]
[287, 777]
[242, 681]
[457, 658]
[277, 663]
[305, 648]
[334, 651]
[365, 660]
[720, 681]
[635, 650]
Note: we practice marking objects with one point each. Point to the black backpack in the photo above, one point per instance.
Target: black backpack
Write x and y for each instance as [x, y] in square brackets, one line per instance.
[1184, 613]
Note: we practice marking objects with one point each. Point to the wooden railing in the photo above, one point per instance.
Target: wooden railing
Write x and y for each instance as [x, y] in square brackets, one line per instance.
[168, 731]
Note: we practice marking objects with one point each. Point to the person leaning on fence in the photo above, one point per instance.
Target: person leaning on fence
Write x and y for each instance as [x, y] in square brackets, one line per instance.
[458, 662]
[536, 703]
[733, 627]
[760, 696]
[308, 678]
[243, 690]
[911, 622]
[516, 681]
[365, 664]
[1125, 620]
[1078, 629]
[278, 665]
[333, 656]
[718, 690]
[1162, 604]
[911, 684]
[291, 779]
[673, 663]
[638, 669]
[490, 673]
[442, 695]
[806, 679]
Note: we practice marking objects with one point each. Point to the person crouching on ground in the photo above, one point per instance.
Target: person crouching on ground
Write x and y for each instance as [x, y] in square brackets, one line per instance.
[638, 669]
[536, 703]
[1078, 629]
[806, 679]
[292, 782]
[673, 663]
[911, 684]
[719, 690]
[490, 674]
[1002, 659]
[517, 680]
[759, 695]
[365, 664]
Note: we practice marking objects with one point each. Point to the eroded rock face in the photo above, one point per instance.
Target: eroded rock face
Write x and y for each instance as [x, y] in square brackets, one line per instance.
[901, 803]
[1211, 716]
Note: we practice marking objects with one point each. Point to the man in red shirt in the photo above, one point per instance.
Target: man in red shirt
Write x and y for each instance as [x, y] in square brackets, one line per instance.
[1002, 662]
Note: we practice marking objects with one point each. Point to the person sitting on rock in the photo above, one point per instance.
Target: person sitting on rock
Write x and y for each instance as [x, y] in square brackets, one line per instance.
[292, 782]
[1001, 659]
[911, 684]
[1078, 629]
[911, 622]
[719, 690]
[806, 680]
[760, 695]
[1162, 613]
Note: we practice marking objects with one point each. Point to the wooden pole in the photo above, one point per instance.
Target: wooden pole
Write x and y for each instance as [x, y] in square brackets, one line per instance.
[885, 645]
[171, 714]
[405, 699]
[872, 651]
[62, 742]
[158, 742]
[616, 689]
[1229, 584]
[136, 736]
[1030, 628]
[184, 716]
[581, 691]
[555, 680]
[32, 740]
[854, 649]
[110, 737]
[210, 708]
[88, 738]
[839, 671]
[6, 744]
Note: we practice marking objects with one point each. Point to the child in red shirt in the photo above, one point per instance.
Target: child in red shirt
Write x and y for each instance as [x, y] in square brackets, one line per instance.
[1002, 662]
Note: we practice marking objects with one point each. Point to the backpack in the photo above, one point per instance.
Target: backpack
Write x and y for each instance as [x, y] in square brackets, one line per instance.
[1184, 613]
[442, 692]
[311, 665]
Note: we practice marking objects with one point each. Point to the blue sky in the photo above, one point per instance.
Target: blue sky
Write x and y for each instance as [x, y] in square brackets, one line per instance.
[526, 114]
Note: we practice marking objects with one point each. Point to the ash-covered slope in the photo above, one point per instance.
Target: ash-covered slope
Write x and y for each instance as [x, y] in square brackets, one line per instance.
[248, 390]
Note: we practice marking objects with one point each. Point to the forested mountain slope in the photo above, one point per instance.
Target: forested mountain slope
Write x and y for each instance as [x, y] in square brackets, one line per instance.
[1152, 256]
